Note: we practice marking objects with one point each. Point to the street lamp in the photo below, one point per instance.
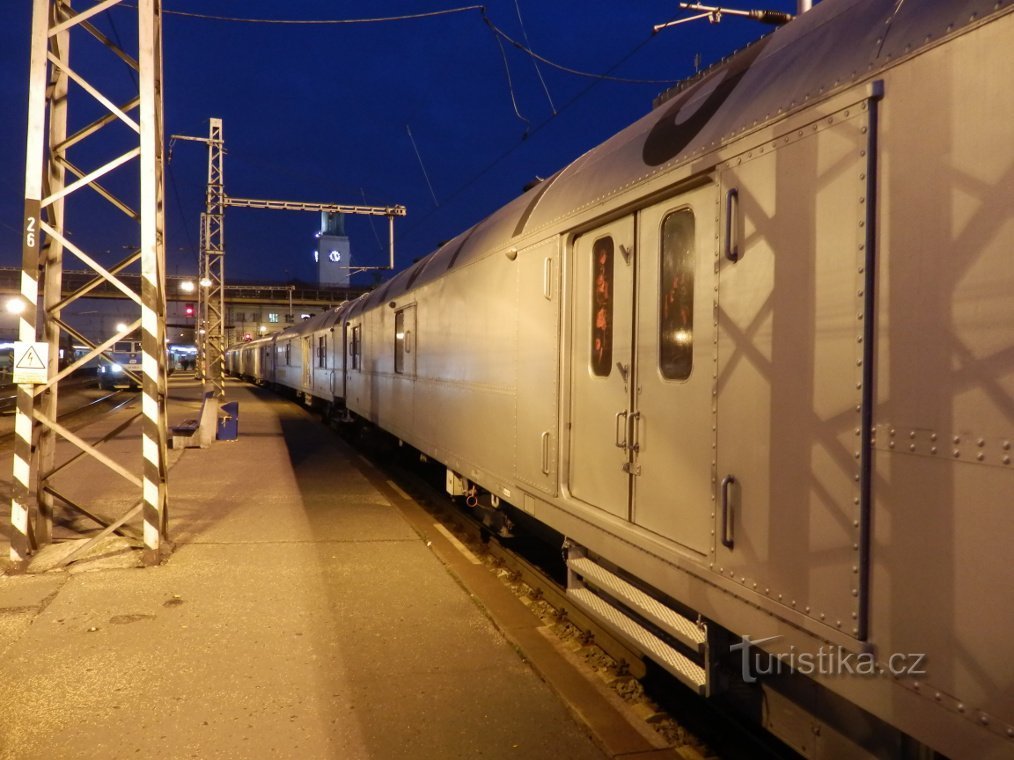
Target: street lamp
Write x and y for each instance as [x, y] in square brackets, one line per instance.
[187, 286]
[15, 305]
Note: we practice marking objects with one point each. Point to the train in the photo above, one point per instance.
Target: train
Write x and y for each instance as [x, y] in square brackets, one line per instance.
[120, 366]
[753, 359]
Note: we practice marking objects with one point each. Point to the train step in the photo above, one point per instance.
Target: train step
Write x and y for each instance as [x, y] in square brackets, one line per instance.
[622, 607]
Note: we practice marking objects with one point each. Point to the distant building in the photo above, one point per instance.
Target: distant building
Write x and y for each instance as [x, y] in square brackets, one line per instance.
[333, 254]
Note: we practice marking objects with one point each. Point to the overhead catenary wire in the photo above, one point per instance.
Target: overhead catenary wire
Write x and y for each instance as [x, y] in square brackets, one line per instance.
[510, 82]
[535, 63]
[326, 21]
[501, 34]
[501, 37]
[526, 49]
[422, 166]
[420, 220]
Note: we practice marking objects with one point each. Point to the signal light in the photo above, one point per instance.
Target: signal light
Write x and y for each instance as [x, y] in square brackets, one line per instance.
[188, 310]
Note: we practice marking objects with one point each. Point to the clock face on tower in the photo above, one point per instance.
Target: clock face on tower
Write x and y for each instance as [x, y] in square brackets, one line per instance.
[334, 256]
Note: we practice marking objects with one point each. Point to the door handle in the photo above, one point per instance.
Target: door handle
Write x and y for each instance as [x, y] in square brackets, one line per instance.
[621, 429]
[731, 211]
[634, 431]
[545, 453]
[728, 482]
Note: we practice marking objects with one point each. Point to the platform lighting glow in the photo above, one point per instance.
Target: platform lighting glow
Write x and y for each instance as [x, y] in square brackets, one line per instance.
[15, 306]
[262, 329]
[187, 286]
[205, 282]
[121, 327]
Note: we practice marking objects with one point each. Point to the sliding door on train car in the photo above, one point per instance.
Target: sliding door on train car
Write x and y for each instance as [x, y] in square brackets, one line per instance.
[672, 426]
[306, 356]
[641, 375]
[601, 359]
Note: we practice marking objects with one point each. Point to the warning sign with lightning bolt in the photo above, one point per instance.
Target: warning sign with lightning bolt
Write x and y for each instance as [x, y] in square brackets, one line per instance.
[31, 363]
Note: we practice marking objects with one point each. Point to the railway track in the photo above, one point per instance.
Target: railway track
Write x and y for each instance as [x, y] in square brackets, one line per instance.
[79, 406]
[535, 572]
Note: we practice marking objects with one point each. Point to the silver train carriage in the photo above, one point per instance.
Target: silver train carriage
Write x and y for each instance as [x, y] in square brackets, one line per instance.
[754, 358]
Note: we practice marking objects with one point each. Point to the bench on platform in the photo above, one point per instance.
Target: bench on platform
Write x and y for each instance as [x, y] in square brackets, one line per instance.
[200, 432]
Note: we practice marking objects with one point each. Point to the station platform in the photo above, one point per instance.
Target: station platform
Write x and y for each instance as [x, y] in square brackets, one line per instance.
[309, 609]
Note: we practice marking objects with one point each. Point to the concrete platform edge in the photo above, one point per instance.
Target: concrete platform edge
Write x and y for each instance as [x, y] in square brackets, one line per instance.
[618, 732]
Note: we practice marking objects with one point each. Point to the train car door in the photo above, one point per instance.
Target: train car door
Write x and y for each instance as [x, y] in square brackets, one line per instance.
[335, 360]
[672, 428]
[306, 355]
[601, 365]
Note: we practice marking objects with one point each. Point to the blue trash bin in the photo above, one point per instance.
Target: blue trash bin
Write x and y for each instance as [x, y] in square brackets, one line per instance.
[228, 422]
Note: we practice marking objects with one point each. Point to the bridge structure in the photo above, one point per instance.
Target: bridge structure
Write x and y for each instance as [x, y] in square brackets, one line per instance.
[286, 300]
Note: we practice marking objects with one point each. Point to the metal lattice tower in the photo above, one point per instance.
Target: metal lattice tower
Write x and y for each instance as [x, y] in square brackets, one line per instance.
[213, 263]
[199, 322]
[135, 128]
[210, 322]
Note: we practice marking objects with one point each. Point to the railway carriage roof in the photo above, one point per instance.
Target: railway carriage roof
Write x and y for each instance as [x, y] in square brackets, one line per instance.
[838, 44]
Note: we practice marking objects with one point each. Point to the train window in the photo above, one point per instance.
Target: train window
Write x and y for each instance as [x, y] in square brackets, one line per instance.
[354, 349]
[676, 299]
[602, 307]
[321, 351]
[399, 342]
[273, 317]
[288, 353]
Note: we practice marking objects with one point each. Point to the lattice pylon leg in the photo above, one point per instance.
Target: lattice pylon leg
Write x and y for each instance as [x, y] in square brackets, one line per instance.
[153, 306]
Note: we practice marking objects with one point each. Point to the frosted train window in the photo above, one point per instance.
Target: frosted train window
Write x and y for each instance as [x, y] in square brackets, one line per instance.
[676, 297]
[602, 307]
[321, 351]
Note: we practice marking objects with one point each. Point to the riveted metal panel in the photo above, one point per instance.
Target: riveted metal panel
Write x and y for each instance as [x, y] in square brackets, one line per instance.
[940, 578]
[790, 367]
[537, 402]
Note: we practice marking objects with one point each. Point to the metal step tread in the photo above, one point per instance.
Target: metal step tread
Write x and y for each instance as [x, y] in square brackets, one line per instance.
[669, 620]
[681, 666]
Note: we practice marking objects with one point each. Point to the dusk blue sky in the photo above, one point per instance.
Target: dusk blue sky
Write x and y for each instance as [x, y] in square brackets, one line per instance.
[321, 113]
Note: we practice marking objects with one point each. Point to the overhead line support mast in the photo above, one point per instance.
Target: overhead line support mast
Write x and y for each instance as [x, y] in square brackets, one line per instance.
[211, 306]
[134, 128]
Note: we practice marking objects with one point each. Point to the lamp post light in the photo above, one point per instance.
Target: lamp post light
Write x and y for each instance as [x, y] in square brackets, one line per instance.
[15, 305]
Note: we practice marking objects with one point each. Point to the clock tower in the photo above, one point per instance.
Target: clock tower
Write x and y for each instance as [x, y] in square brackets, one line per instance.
[333, 255]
